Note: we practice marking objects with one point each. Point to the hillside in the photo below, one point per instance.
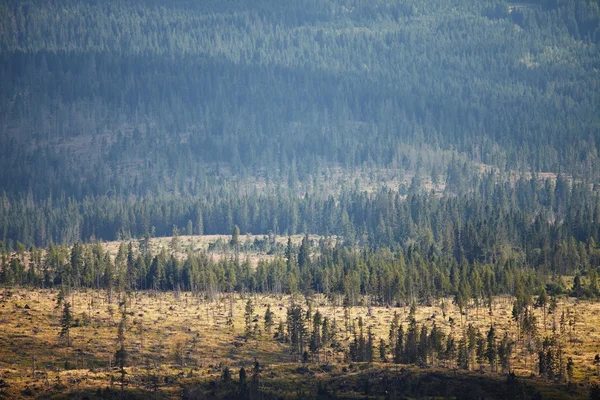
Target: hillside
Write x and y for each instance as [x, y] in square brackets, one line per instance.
[104, 102]
[413, 187]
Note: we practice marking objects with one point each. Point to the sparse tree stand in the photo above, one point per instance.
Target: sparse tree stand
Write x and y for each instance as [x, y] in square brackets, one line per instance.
[66, 322]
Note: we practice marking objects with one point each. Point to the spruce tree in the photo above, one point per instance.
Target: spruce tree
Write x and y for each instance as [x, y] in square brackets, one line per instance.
[235, 238]
[423, 348]
[248, 315]
[399, 356]
[121, 353]
[492, 349]
[66, 322]
[269, 319]
[382, 350]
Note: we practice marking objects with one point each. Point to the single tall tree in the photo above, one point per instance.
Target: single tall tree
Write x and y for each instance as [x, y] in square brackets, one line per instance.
[269, 319]
[248, 314]
[121, 353]
[66, 322]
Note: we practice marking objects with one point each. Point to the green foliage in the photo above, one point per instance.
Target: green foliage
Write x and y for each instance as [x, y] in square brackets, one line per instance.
[118, 117]
[66, 322]
[248, 317]
[269, 322]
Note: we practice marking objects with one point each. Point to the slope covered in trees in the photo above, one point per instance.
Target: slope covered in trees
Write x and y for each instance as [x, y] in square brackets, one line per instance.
[127, 120]
[136, 97]
[443, 154]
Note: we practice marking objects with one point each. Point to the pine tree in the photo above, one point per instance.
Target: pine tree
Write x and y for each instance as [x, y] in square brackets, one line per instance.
[235, 238]
[121, 353]
[411, 347]
[269, 319]
[393, 334]
[296, 329]
[316, 336]
[280, 333]
[399, 356]
[303, 255]
[492, 349]
[481, 349]
[462, 359]
[423, 349]
[436, 342]
[370, 346]
[248, 315]
[289, 253]
[175, 241]
[325, 332]
[570, 365]
[226, 376]
[505, 349]
[255, 378]
[66, 322]
[471, 343]
[450, 351]
[382, 350]
[243, 384]
[542, 301]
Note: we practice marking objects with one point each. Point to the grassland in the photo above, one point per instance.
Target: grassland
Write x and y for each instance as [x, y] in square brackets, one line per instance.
[216, 246]
[179, 345]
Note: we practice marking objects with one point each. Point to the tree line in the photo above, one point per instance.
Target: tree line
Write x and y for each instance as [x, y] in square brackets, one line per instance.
[385, 277]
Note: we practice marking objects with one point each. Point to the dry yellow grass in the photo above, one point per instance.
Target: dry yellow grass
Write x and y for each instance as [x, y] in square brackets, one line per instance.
[157, 322]
[202, 243]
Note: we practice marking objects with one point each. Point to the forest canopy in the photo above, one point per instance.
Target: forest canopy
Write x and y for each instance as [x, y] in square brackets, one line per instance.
[120, 119]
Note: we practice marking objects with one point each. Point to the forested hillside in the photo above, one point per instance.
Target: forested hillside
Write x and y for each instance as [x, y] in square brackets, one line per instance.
[120, 119]
[282, 187]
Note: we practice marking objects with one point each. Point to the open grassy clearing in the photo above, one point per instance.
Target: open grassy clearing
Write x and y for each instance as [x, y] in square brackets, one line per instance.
[177, 341]
[217, 246]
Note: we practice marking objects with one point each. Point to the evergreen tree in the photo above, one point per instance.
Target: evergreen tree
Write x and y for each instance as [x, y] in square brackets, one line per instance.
[269, 319]
[303, 255]
[296, 330]
[491, 349]
[399, 355]
[66, 322]
[411, 346]
[462, 360]
[243, 384]
[235, 238]
[481, 349]
[382, 350]
[423, 348]
[505, 350]
[280, 333]
[248, 317]
[121, 353]
[316, 336]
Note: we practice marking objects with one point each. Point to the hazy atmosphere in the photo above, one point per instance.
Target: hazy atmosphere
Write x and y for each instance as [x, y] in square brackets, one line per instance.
[310, 199]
